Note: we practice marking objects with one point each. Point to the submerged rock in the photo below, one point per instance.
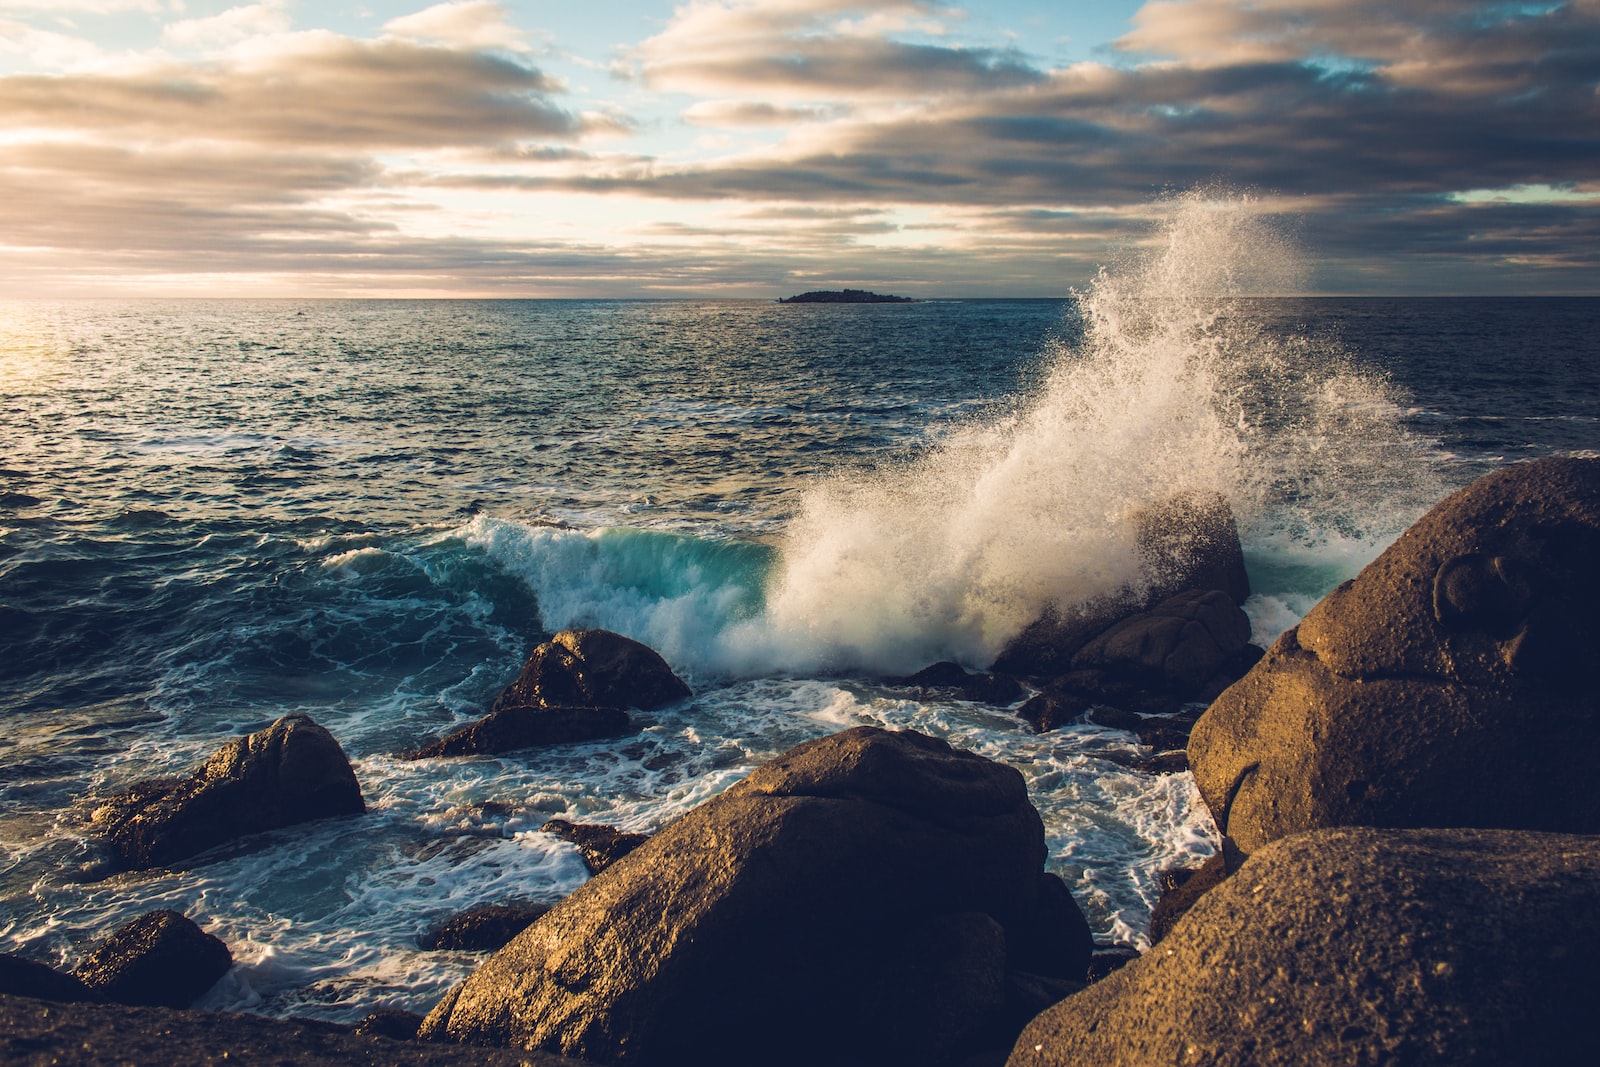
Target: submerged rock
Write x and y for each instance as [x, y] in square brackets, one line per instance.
[1449, 684]
[1355, 946]
[160, 959]
[596, 668]
[291, 772]
[784, 915]
[507, 729]
[481, 929]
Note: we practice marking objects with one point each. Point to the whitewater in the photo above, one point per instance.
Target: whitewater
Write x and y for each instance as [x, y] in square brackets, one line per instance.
[216, 513]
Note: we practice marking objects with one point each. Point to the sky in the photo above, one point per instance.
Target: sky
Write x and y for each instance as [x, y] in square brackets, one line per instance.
[757, 148]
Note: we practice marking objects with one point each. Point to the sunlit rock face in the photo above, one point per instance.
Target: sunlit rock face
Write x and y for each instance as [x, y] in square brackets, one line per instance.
[1358, 945]
[1449, 684]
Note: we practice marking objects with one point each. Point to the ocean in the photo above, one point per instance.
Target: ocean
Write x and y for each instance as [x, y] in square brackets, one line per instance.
[214, 513]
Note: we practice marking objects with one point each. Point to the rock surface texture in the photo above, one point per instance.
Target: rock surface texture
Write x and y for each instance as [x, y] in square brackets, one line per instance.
[1356, 946]
[292, 772]
[593, 668]
[509, 728]
[160, 959]
[1447, 685]
[786, 919]
[1188, 543]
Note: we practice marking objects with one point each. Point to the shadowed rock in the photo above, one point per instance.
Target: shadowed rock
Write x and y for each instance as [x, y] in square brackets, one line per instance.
[1449, 684]
[1188, 543]
[508, 729]
[1356, 945]
[481, 929]
[292, 772]
[24, 977]
[600, 846]
[952, 677]
[596, 668]
[778, 915]
[160, 959]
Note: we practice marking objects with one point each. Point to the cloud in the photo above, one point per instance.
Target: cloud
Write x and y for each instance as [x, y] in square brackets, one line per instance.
[461, 23]
[814, 50]
[230, 27]
[750, 113]
[308, 89]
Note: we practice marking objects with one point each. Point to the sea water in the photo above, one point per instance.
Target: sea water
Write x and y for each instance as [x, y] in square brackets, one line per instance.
[216, 513]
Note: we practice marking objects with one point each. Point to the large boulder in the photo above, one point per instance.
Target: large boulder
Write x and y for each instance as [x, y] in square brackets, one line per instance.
[160, 959]
[1447, 685]
[788, 915]
[291, 772]
[596, 668]
[1189, 542]
[1179, 646]
[1355, 946]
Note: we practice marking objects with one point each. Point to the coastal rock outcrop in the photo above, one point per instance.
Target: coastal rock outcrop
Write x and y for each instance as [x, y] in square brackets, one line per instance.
[507, 729]
[481, 929]
[1358, 945]
[29, 978]
[1449, 684]
[160, 959]
[593, 668]
[787, 914]
[1178, 636]
[291, 772]
[600, 846]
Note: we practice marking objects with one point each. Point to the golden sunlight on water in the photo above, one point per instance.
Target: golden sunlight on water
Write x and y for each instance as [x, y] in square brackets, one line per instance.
[30, 346]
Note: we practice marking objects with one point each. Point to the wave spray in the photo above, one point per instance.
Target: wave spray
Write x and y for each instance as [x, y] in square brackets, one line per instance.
[1173, 388]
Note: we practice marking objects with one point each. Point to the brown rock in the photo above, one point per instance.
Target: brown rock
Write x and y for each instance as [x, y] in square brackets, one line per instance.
[1175, 647]
[159, 959]
[481, 929]
[600, 846]
[1357, 945]
[1188, 543]
[27, 978]
[292, 772]
[596, 668]
[775, 909]
[509, 728]
[1447, 685]
[1180, 889]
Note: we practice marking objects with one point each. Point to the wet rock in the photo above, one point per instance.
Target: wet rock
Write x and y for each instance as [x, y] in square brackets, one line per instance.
[1449, 684]
[600, 846]
[1190, 543]
[1176, 647]
[508, 729]
[27, 978]
[160, 959]
[596, 668]
[391, 1023]
[292, 772]
[481, 929]
[981, 688]
[1358, 945]
[777, 908]
[1180, 889]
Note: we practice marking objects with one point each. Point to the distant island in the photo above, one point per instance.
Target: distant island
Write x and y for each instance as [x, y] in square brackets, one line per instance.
[845, 296]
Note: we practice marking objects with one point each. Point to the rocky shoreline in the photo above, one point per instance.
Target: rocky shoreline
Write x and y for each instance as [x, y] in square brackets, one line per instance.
[1403, 782]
